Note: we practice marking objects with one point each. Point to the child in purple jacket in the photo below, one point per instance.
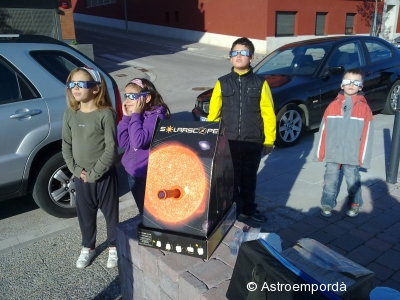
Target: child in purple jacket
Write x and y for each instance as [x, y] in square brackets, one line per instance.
[141, 108]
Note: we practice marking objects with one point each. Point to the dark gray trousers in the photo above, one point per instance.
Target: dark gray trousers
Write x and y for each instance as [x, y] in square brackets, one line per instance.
[90, 197]
[246, 159]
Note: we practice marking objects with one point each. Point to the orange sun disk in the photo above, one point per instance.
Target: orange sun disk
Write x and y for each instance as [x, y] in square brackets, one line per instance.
[174, 166]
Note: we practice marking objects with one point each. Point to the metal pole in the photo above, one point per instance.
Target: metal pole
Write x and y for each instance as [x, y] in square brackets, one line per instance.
[376, 11]
[393, 167]
[126, 17]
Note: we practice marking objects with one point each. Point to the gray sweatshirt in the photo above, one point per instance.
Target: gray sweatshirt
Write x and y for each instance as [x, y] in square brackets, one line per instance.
[89, 142]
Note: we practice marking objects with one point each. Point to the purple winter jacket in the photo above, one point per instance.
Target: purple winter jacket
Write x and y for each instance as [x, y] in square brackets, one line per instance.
[135, 134]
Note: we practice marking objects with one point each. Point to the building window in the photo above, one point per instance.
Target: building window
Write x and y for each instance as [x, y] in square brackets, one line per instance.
[320, 24]
[166, 17]
[285, 23]
[91, 3]
[349, 24]
[176, 16]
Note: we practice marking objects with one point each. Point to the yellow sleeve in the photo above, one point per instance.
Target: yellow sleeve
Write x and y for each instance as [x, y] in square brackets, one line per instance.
[268, 115]
[215, 104]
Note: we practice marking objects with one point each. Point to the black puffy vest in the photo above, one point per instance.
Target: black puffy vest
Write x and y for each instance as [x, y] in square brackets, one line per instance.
[241, 113]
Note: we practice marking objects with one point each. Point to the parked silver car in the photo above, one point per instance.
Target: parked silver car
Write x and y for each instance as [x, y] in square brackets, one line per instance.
[33, 72]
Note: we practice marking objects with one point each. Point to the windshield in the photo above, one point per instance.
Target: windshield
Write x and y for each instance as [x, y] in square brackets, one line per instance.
[299, 61]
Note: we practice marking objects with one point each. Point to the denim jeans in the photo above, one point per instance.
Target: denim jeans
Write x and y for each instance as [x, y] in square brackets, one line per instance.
[138, 187]
[331, 179]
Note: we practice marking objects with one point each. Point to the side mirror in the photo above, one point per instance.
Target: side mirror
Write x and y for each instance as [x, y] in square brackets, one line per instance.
[337, 70]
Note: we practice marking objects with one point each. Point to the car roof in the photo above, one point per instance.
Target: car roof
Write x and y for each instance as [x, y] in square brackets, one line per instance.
[29, 38]
[42, 39]
[328, 40]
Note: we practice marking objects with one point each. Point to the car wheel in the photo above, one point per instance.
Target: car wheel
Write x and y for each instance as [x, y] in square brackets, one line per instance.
[289, 126]
[54, 189]
[391, 101]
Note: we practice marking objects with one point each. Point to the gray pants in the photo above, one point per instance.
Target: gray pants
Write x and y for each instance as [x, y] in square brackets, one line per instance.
[90, 197]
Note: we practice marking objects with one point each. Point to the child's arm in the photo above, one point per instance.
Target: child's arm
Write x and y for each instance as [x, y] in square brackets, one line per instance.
[122, 132]
[141, 130]
[66, 147]
[320, 149]
[215, 104]
[268, 116]
[107, 159]
[365, 154]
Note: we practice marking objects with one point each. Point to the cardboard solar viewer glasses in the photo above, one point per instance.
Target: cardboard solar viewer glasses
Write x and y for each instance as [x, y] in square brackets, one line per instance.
[188, 205]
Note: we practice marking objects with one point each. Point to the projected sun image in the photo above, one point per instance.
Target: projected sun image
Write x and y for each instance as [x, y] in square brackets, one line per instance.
[176, 188]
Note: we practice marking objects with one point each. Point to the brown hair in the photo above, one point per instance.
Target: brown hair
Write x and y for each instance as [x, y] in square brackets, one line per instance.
[102, 98]
[156, 99]
[245, 42]
[355, 71]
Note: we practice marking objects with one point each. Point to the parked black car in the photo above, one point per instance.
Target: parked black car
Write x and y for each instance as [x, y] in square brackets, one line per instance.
[305, 77]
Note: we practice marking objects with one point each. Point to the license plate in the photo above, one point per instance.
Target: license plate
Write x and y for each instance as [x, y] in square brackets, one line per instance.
[204, 119]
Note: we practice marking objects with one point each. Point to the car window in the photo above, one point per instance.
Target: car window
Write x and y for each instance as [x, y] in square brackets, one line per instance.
[293, 61]
[378, 51]
[348, 55]
[13, 85]
[58, 63]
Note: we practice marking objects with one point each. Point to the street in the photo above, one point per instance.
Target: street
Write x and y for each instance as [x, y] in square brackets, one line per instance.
[174, 71]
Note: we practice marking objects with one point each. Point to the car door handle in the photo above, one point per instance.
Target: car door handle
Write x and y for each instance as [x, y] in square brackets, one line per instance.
[24, 114]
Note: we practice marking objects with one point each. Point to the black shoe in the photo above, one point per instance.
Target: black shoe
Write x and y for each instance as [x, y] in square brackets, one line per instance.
[256, 216]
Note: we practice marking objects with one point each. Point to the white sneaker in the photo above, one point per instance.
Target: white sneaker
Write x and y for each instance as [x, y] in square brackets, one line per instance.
[112, 261]
[85, 257]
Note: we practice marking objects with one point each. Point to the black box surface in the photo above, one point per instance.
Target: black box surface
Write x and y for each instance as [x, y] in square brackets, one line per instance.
[271, 276]
[189, 185]
[186, 244]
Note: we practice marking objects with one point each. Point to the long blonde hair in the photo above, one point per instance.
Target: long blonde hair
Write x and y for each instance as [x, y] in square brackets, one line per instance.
[101, 100]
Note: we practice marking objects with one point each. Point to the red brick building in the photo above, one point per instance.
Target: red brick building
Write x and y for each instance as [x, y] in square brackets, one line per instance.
[269, 23]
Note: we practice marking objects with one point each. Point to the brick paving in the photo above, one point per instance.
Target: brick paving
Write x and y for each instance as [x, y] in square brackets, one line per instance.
[372, 239]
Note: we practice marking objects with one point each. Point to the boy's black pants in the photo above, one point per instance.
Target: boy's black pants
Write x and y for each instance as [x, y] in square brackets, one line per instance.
[246, 157]
[90, 197]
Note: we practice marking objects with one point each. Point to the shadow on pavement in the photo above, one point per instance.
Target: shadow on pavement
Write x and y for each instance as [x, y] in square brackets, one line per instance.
[17, 206]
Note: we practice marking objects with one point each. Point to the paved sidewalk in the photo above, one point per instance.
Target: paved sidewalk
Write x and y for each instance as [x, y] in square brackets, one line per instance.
[179, 45]
[289, 178]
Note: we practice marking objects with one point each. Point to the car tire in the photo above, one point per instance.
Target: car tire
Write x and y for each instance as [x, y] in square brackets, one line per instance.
[289, 126]
[54, 189]
[391, 101]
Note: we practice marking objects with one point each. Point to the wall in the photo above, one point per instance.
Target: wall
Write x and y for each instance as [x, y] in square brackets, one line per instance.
[231, 17]
[306, 15]
[391, 26]
[219, 22]
[215, 16]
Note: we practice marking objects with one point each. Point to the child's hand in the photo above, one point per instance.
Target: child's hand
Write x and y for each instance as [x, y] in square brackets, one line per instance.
[83, 175]
[126, 108]
[267, 150]
[137, 106]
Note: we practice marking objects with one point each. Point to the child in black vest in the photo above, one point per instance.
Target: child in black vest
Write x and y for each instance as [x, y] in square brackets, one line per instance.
[243, 102]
